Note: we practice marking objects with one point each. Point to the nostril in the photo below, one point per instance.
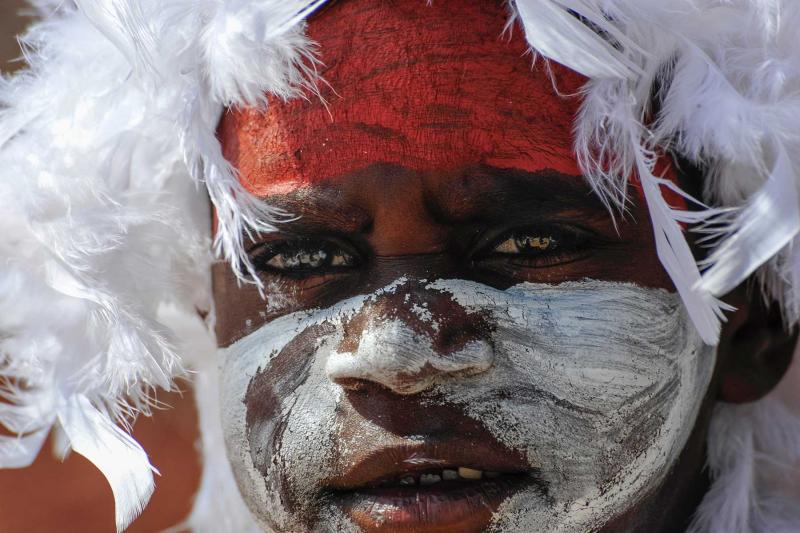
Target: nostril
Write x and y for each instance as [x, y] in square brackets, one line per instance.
[362, 386]
[454, 339]
[352, 384]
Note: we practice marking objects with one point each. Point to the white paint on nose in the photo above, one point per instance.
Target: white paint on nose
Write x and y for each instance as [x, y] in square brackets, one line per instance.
[395, 356]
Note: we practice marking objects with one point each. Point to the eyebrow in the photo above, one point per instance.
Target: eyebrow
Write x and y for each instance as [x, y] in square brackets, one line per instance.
[320, 208]
[486, 193]
[479, 194]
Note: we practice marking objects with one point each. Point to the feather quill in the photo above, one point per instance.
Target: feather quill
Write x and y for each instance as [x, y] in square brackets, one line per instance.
[705, 311]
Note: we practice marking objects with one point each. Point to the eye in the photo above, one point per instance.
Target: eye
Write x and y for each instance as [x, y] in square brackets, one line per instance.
[536, 247]
[304, 257]
[527, 243]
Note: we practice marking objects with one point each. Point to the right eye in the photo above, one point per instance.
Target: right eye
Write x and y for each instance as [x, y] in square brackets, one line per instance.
[304, 257]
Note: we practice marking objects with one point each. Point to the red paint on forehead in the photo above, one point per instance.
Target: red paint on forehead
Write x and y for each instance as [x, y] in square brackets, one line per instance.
[431, 88]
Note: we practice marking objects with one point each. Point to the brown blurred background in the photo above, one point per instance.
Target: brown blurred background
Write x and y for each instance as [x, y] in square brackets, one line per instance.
[11, 23]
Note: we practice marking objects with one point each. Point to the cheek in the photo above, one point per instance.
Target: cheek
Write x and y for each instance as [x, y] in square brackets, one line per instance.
[607, 380]
[280, 425]
[263, 377]
[241, 309]
[281, 391]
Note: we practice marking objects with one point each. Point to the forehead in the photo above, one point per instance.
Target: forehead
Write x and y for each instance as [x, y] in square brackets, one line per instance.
[410, 85]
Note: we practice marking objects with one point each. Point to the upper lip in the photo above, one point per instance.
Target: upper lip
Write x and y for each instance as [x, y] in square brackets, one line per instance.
[400, 460]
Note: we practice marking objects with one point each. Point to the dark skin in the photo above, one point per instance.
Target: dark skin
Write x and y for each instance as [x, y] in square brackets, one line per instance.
[439, 226]
[429, 174]
[438, 247]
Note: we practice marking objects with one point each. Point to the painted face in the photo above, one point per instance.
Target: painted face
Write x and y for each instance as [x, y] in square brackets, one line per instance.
[455, 335]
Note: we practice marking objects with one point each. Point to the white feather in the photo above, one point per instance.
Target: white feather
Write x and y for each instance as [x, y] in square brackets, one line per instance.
[20, 451]
[557, 34]
[250, 52]
[94, 202]
[676, 256]
[113, 452]
[753, 454]
[218, 505]
[761, 229]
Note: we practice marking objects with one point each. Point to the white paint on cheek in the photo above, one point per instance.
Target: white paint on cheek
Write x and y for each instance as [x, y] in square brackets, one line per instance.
[306, 417]
[608, 379]
[307, 410]
[240, 363]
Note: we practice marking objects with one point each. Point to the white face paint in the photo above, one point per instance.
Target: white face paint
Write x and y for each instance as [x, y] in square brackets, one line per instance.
[596, 383]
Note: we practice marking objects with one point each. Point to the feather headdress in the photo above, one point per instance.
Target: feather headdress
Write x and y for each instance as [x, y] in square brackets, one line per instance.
[108, 157]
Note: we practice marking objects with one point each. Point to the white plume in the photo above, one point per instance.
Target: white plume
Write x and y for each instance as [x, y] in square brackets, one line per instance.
[753, 454]
[725, 76]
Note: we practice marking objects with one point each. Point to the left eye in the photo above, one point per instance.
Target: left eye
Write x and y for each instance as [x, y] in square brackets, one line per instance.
[537, 247]
[527, 243]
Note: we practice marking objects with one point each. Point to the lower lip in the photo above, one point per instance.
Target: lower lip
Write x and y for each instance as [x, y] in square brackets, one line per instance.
[446, 506]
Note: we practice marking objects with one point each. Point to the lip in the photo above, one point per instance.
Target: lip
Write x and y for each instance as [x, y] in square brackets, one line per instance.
[368, 494]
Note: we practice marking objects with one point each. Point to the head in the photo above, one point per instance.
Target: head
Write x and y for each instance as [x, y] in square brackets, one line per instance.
[455, 333]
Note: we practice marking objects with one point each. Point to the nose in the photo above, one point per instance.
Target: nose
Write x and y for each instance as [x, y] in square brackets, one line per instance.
[408, 340]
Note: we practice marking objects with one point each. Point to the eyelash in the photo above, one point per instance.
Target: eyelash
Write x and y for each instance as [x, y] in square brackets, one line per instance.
[531, 247]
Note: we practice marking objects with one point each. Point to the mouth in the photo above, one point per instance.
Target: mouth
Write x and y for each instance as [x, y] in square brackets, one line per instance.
[431, 488]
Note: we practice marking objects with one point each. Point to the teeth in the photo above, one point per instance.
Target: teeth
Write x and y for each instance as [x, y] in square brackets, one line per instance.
[429, 479]
[432, 478]
[469, 473]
